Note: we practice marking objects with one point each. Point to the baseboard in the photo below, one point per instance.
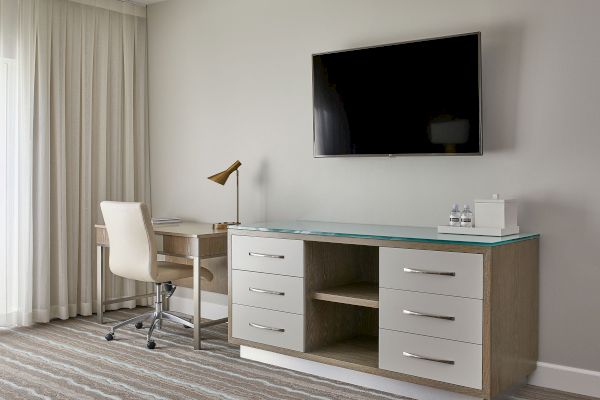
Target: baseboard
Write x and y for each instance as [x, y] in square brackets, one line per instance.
[214, 305]
[395, 387]
[567, 379]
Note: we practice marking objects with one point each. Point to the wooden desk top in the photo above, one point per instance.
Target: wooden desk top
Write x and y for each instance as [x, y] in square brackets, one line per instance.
[185, 229]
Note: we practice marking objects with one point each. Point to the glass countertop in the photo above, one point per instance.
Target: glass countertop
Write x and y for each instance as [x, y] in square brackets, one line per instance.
[381, 232]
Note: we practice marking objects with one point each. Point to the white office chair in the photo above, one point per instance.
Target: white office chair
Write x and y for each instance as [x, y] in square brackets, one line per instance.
[133, 256]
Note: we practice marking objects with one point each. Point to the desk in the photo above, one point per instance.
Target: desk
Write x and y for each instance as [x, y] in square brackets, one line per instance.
[185, 243]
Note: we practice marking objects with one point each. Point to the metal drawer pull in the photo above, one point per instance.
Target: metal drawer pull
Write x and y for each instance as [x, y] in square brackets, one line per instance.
[426, 272]
[437, 360]
[267, 328]
[265, 255]
[418, 314]
[266, 291]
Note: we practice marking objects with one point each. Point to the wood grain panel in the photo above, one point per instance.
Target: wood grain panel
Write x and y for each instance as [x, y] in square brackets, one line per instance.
[487, 325]
[364, 294]
[213, 247]
[328, 265]
[180, 245]
[328, 323]
[359, 350]
[218, 267]
[210, 247]
[514, 305]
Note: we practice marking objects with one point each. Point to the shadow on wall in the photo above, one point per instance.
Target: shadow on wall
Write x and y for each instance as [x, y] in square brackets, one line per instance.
[501, 58]
[261, 182]
[569, 274]
[543, 214]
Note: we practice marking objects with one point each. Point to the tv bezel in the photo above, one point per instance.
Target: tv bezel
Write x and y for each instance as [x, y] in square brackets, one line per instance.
[480, 153]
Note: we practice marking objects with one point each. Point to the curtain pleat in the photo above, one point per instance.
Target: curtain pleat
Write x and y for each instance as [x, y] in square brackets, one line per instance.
[83, 126]
[87, 196]
[74, 132]
[43, 260]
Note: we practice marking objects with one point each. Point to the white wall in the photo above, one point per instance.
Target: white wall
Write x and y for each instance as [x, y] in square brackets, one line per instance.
[232, 79]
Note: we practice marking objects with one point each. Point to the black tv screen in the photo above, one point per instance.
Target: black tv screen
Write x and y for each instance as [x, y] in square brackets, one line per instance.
[420, 97]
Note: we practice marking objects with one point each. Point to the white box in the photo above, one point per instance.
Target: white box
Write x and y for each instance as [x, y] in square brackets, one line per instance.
[496, 213]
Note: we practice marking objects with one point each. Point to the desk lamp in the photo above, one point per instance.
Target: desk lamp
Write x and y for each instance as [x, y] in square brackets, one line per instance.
[221, 178]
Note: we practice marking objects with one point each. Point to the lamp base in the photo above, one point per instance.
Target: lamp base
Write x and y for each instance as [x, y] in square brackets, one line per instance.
[223, 225]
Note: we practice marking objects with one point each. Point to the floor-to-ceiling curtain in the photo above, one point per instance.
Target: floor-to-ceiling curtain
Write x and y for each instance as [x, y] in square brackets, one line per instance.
[13, 256]
[80, 136]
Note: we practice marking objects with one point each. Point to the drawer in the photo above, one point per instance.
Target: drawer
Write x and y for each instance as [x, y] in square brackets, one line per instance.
[440, 272]
[273, 256]
[275, 292]
[274, 328]
[455, 318]
[440, 359]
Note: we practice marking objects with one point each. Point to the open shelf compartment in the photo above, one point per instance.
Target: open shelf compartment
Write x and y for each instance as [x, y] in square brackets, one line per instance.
[358, 350]
[342, 303]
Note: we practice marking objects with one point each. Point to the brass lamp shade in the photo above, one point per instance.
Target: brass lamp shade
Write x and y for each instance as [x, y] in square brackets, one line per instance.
[222, 177]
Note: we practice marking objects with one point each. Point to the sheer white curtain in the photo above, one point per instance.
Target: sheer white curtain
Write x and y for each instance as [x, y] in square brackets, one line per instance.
[15, 180]
[79, 137]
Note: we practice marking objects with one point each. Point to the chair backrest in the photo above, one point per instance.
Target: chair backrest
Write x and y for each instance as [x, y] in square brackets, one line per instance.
[131, 237]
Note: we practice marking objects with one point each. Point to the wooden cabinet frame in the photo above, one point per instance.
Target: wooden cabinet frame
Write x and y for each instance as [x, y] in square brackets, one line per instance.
[510, 310]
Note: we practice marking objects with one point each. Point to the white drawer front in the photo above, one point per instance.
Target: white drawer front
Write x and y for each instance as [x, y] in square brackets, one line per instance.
[447, 317]
[440, 272]
[273, 256]
[274, 328]
[395, 349]
[275, 292]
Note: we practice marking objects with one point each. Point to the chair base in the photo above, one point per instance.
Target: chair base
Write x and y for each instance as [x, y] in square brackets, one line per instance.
[158, 315]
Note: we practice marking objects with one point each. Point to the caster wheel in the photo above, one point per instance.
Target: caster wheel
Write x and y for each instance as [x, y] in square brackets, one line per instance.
[139, 325]
[109, 336]
[151, 344]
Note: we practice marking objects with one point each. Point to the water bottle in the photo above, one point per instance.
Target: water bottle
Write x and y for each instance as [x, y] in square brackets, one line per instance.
[455, 216]
[466, 217]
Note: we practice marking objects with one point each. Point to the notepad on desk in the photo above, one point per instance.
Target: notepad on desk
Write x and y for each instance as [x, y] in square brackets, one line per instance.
[165, 220]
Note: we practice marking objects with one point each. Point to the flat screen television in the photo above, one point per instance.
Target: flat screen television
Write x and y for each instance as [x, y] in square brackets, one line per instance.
[420, 97]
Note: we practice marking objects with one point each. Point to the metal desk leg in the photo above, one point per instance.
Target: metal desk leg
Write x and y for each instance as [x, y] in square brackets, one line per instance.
[197, 305]
[100, 265]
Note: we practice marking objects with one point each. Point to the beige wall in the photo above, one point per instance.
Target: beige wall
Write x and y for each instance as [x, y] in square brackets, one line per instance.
[232, 79]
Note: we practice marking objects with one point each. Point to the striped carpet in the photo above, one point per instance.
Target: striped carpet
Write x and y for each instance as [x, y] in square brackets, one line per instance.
[71, 360]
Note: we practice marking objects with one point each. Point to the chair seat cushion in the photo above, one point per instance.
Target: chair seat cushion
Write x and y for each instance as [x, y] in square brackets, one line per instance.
[168, 271]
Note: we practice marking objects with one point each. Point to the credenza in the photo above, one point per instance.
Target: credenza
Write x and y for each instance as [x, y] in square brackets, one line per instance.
[454, 312]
